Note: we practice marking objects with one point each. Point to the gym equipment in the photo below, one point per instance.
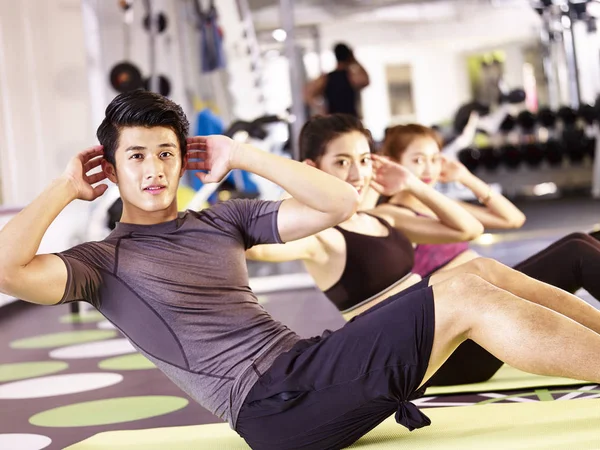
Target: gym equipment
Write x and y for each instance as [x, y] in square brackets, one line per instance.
[511, 156]
[506, 379]
[213, 57]
[589, 143]
[125, 77]
[508, 124]
[164, 85]
[513, 97]
[588, 113]
[526, 120]
[464, 112]
[533, 425]
[490, 158]
[161, 21]
[574, 141]
[567, 115]
[532, 153]
[555, 151]
[547, 117]
[470, 158]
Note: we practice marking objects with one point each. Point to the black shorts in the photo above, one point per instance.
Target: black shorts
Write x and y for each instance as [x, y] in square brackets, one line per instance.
[328, 391]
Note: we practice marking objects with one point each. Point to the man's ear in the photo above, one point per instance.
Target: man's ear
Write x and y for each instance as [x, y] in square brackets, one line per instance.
[310, 162]
[110, 171]
[184, 164]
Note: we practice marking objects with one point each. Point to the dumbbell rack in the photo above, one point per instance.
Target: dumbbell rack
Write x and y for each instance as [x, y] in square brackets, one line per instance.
[524, 180]
[562, 148]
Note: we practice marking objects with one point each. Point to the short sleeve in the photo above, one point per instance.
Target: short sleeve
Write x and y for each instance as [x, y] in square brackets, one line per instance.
[83, 278]
[255, 220]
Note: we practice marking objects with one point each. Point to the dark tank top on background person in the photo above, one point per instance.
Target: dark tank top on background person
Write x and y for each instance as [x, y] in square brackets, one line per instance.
[339, 94]
[373, 264]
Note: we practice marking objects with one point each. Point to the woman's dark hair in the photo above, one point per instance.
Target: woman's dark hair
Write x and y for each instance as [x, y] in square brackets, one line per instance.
[319, 131]
[141, 108]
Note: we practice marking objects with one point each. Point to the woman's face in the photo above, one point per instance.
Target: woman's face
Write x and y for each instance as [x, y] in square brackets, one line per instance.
[348, 157]
[422, 157]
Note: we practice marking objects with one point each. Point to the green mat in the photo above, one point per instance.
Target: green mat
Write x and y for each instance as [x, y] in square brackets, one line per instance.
[573, 424]
[506, 379]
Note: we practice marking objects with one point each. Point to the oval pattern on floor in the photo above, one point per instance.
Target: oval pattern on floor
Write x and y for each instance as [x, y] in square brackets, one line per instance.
[100, 349]
[22, 441]
[108, 411]
[62, 339]
[127, 362]
[83, 317]
[24, 370]
[51, 386]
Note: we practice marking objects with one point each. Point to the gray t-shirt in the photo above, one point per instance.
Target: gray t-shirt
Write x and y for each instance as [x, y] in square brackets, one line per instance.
[179, 291]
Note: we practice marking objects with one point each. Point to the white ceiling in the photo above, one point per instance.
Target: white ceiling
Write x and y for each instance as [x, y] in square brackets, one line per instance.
[315, 12]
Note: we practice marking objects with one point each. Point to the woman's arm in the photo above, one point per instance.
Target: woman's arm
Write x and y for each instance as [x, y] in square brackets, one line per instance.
[496, 210]
[454, 223]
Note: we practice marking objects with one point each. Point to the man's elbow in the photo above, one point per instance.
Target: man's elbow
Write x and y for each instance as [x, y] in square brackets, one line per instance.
[349, 205]
[7, 282]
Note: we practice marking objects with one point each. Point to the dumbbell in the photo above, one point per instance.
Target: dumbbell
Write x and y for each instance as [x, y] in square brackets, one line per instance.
[470, 158]
[513, 97]
[568, 115]
[508, 124]
[546, 117]
[160, 20]
[587, 113]
[511, 156]
[526, 120]
[464, 112]
[554, 152]
[590, 147]
[164, 85]
[533, 153]
[575, 145]
[490, 158]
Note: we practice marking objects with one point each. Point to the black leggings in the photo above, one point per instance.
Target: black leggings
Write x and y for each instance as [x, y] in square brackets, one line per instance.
[570, 263]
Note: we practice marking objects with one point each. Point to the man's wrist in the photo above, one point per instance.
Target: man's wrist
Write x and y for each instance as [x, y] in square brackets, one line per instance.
[238, 155]
[68, 185]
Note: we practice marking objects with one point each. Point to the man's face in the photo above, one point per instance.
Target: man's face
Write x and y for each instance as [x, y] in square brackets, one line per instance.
[148, 169]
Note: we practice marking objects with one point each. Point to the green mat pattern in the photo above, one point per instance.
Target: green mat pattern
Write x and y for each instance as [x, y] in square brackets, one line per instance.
[506, 379]
[558, 425]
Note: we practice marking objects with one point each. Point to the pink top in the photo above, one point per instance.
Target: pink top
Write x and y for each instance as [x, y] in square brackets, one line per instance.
[431, 257]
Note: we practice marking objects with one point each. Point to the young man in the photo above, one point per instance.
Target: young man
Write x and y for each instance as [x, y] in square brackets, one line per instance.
[177, 287]
[340, 89]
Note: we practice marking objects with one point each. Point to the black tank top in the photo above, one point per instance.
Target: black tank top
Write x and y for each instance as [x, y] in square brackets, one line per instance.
[339, 93]
[373, 263]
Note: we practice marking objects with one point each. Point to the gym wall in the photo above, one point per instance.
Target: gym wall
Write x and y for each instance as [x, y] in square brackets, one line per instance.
[436, 53]
[44, 95]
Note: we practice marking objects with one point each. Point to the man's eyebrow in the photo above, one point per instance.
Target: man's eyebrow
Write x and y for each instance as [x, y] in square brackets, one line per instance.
[138, 148]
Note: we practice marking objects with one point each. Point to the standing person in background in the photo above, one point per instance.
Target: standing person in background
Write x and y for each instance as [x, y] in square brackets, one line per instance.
[338, 91]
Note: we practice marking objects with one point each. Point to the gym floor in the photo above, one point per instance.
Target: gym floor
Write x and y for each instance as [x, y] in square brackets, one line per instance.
[65, 378]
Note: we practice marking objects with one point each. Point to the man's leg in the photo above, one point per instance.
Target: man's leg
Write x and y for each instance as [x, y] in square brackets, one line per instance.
[521, 333]
[526, 288]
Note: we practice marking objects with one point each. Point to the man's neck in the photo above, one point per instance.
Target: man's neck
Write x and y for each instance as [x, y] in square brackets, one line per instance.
[136, 216]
